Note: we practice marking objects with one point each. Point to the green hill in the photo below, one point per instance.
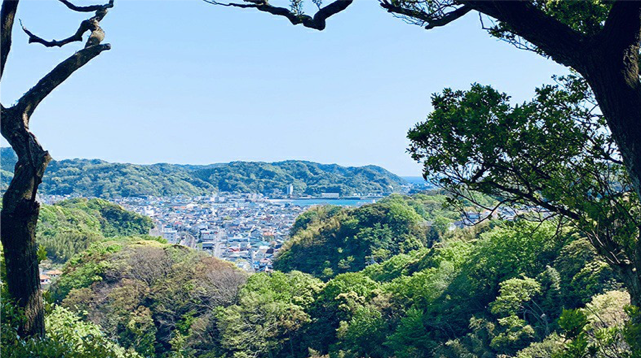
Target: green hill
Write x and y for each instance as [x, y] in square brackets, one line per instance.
[306, 177]
[70, 226]
[329, 240]
[97, 178]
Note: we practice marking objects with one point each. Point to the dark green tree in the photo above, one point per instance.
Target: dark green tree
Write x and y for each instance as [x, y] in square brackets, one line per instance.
[551, 156]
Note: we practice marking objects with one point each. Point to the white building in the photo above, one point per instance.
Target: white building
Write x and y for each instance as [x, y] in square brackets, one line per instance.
[330, 195]
[170, 235]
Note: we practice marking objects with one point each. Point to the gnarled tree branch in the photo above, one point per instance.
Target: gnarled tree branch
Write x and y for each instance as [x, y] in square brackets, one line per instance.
[84, 26]
[430, 21]
[317, 22]
[92, 24]
[20, 208]
[30, 100]
[90, 8]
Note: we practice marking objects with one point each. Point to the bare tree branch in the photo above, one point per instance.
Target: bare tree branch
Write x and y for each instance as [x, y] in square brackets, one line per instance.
[91, 8]
[30, 100]
[318, 22]
[84, 26]
[430, 21]
[92, 24]
[7, 16]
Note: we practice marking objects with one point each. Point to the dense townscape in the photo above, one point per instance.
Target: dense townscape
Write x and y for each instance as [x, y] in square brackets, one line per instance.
[247, 229]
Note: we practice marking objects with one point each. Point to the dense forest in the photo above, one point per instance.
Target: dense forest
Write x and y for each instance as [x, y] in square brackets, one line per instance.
[97, 178]
[70, 226]
[329, 240]
[390, 279]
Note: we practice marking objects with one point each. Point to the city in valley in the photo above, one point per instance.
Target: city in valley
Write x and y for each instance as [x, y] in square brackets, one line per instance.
[247, 229]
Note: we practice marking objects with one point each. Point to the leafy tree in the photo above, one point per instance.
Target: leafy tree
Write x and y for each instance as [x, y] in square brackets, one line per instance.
[268, 319]
[67, 336]
[326, 241]
[597, 330]
[148, 295]
[475, 141]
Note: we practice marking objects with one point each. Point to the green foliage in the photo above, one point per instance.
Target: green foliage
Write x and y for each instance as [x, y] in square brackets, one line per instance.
[411, 338]
[327, 241]
[70, 226]
[269, 316]
[148, 295]
[496, 289]
[67, 336]
[514, 293]
[476, 141]
[86, 268]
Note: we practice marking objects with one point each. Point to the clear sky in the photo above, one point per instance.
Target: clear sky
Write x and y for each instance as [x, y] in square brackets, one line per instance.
[189, 82]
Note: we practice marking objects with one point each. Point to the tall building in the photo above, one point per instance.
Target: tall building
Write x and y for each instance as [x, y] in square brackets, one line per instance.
[290, 190]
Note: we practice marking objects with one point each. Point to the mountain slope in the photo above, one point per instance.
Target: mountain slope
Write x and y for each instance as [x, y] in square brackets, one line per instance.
[97, 178]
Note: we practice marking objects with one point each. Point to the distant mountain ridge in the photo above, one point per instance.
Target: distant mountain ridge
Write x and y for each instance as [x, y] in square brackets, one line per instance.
[98, 178]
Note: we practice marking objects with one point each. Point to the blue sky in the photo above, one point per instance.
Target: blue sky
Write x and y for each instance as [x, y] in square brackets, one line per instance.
[188, 82]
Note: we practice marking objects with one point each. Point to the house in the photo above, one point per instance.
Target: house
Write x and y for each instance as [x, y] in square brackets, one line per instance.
[53, 273]
[44, 279]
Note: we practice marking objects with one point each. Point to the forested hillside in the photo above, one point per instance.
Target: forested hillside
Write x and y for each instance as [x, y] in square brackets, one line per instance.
[306, 177]
[70, 226]
[150, 296]
[326, 241]
[412, 288]
[97, 178]
[499, 290]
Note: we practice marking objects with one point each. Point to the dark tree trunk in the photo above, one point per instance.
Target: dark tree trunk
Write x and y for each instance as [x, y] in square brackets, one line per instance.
[20, 252]
[19, 218]
[610, 64]
[611, 67]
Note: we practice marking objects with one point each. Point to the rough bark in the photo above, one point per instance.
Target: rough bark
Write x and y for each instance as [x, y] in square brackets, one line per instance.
[19, 218]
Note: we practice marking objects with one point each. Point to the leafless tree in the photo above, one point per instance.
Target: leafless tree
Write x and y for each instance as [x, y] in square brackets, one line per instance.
[20, 209]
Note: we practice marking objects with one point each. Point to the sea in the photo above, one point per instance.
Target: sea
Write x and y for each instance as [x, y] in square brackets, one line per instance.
[319, 201]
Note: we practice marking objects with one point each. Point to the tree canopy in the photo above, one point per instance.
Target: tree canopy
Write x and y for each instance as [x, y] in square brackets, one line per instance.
[326, 241]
